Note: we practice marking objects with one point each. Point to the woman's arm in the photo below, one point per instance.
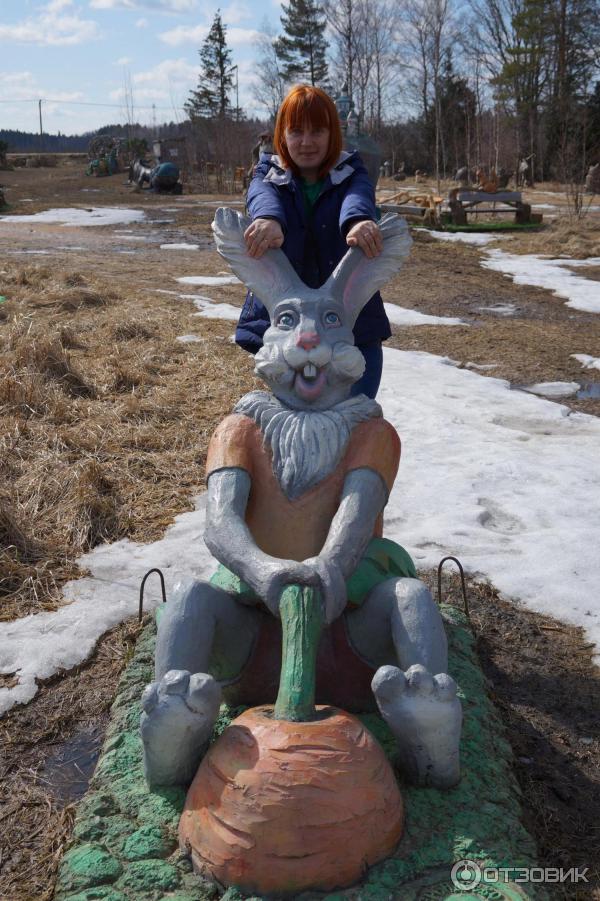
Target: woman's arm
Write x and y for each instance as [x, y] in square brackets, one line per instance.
[268, 216]
[359, 199]
[263, 199]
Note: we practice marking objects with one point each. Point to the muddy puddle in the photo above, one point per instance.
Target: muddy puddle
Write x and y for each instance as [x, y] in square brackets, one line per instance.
[589, 390]
[562, 390]
[69, 768]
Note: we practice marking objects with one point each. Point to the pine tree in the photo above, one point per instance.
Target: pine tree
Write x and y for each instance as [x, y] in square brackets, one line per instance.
[211, 99]
[302, 47]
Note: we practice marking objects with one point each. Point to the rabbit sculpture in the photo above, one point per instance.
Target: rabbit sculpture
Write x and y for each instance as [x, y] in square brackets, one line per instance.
[298, 478]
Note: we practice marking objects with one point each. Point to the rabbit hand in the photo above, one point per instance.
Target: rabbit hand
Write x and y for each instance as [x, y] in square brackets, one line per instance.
[261, 235]
[275, 576]
[332, 585]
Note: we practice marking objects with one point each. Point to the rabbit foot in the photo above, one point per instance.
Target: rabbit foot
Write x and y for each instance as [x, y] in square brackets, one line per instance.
[425, 716]
[179, 713]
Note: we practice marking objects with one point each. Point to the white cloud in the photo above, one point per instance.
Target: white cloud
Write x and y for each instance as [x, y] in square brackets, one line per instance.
[238, 37]
[166, 6]
[160, 83]
[172, 71]
[238, 11]
[55, 6]
[18, 87]
[142, 96]
[51, 27]
[182, 34]
[142, 23]
[24, 86]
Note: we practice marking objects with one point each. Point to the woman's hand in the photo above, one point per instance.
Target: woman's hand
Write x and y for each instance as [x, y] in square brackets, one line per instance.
[367, 236]
[262, 235]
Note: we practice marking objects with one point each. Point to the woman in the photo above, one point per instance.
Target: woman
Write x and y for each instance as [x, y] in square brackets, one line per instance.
[314, 201]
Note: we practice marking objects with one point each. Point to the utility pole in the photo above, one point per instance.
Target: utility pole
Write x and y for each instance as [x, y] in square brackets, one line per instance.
[41, 127]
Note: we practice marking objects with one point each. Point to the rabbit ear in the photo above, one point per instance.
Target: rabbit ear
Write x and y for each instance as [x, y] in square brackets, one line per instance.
[271, 277]
[356, 277]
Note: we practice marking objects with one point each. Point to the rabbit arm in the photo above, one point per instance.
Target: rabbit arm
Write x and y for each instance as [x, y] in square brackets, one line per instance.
[364, 496]
[229, 539]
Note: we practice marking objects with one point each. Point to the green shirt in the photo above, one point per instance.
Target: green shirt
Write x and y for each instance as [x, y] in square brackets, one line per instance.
[310, 192]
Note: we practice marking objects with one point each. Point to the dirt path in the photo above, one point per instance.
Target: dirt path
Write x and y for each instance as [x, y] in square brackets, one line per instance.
[104, 423]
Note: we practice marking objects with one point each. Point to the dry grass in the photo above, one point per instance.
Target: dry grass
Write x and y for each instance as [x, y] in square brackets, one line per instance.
[577, 239]
[124, 457]
[105, 421]
[36, 823]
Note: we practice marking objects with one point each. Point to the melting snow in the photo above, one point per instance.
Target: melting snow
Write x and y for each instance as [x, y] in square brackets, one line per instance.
[179, 246]
[552, 389]
[506, 481]
[403, 316]
[500, 309]
[587, 361]
[209, 280]
[105, 215]
[467, 237]
[526, 269]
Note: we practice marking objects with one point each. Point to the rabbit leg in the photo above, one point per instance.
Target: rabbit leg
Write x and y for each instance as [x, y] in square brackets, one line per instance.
[202, 628]
[416, 697]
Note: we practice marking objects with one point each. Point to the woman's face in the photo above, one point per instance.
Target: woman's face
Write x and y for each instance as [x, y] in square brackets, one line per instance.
[308, 146]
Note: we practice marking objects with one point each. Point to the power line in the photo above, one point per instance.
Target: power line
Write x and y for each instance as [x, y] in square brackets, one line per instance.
[153, 106]
[91, 103]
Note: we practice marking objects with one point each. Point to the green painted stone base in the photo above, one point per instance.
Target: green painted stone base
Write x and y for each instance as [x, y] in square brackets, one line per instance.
[125, 836]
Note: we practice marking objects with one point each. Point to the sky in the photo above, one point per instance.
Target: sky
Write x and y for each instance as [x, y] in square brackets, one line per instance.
[82, 52]
[503, 479]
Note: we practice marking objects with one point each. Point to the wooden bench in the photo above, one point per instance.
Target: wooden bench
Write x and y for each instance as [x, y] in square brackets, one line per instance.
[465, 203]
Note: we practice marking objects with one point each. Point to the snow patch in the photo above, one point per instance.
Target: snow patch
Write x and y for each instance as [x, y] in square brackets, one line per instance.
[213, 280]
[106, 215]
[500, 309]
[553, 275]
[552, 389]
[467, 237]
[587, 361]
[507, 481]
[180, 247]
[403, 316]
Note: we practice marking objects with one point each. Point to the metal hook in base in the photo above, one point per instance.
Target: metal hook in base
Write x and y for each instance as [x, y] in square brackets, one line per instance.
[462, 579]
[142, 586]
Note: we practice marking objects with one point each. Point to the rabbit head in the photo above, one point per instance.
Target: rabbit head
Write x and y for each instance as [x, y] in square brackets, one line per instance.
[308, 358]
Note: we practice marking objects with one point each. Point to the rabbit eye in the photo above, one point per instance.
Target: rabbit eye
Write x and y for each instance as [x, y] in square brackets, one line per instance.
[286, 320]
[331, 318]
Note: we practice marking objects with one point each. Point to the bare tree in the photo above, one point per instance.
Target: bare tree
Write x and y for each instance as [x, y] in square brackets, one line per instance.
[343, 21]
[416, 41]
[383, 17]
[269, 85]
[363, 57]
[428, 34]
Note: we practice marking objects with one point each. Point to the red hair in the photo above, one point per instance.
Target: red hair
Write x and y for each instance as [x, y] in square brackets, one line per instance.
[307, 105]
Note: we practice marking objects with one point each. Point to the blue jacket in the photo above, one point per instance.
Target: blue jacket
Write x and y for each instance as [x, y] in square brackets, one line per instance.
[313, 247]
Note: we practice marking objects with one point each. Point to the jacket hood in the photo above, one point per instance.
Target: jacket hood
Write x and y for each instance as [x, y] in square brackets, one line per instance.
[279, 175]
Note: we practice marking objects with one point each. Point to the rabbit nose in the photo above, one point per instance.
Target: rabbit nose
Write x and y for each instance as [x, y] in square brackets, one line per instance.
[308, 340]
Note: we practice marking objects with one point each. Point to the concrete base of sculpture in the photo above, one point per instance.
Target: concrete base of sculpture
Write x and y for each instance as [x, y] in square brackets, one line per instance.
[280, 807]
[124, 842]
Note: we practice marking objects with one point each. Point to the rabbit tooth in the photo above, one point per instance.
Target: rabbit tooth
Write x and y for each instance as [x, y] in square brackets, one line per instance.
[310, 371]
